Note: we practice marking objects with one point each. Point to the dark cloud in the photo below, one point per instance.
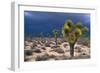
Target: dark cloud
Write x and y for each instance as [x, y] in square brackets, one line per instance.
[36, 22]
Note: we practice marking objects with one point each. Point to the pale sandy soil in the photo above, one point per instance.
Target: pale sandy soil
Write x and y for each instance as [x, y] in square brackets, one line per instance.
[43, 50]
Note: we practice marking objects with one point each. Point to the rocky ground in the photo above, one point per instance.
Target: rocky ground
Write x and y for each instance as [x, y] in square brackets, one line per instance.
[42, 49]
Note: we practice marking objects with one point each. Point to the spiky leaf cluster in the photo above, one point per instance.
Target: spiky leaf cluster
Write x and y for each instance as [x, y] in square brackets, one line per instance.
[73, 31]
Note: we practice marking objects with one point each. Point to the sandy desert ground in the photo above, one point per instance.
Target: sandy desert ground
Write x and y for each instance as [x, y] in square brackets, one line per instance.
[43, 49]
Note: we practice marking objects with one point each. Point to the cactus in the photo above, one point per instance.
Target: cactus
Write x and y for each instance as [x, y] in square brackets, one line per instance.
[72, 32]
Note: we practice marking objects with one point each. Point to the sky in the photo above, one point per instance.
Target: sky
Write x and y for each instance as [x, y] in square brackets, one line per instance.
[36, 22]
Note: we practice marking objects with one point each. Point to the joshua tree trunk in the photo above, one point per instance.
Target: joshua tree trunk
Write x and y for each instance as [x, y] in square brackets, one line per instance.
[71, 50]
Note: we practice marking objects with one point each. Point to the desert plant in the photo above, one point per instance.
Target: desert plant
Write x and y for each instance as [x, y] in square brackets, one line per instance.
[72, 32]
[55, 32]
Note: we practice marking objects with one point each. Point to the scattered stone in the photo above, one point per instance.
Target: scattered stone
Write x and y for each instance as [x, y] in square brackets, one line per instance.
[55, 47]
[27, 52]
[43, 48]
[65, 45]
[47, 45]
[34, 45]
[52, 56]
[28, 47]
[28, 43]
[40, 50]
[27, 58]
[83, 53]
[86, 44]
[58, 50]
[36, 50]
[43, 41]
[42, 57]
[78, 49]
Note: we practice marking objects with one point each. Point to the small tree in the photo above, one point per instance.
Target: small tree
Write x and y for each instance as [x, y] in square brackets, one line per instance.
[72, 32]
[55, 32]
[41, 35]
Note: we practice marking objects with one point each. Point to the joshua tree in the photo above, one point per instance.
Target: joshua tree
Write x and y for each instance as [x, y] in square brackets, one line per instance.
[72, 32]
[55, 32]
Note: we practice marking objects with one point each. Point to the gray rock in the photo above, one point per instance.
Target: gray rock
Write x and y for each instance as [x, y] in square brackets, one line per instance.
[27, 58]
[84, 53]
[47, 45]
[58, 50]
[43, 48]
[27, 47]
[55, 47]
[78, 49]
[27, 52]
[34, 45]
[36, 50]
[42, 57]
[65, 45]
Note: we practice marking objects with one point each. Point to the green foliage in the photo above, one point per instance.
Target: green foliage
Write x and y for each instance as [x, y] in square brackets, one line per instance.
[69, 23]
[55, 32]
[67, 28]
[73, 31]
[79, 25]
[84, 30]
[78, 32]
[71, 38]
